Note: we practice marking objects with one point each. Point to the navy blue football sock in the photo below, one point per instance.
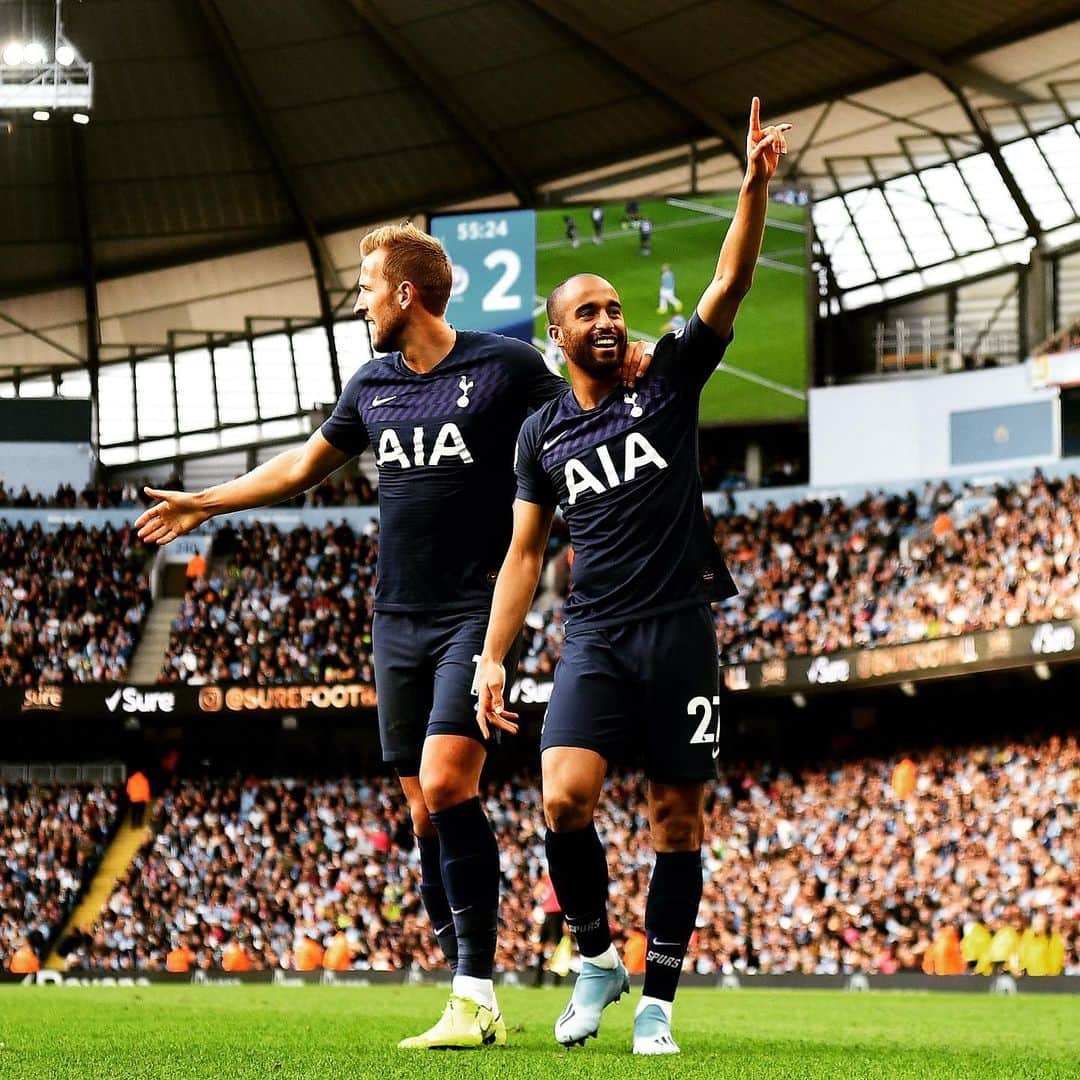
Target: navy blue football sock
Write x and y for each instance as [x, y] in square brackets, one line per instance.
[470, 874]
[579, 872]
[434, 896]
[670, 914]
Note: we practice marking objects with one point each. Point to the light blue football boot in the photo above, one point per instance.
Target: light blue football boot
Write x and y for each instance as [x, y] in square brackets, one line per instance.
[652, 1032]
[596, 988]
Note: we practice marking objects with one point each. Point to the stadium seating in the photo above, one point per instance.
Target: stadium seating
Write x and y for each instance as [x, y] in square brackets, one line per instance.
[72, 603]
[813, 577]
[90, 497]
[816, 577]
[51, 839]
[826, 872]
[286, 608]
[348, 491]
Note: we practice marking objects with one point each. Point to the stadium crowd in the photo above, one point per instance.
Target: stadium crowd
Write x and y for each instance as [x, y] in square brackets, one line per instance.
[291, 607]
[817, 576]
[814, 577]
[341, 489]
[93, 496]
[830, 870]
[72, 603]
[51, 840]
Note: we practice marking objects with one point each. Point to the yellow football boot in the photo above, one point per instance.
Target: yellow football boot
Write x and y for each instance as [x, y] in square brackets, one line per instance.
[497, 1037]
[464, 1025]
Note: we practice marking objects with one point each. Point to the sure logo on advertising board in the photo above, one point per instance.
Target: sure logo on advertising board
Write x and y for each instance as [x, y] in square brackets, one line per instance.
[824, 671]
[43, 698]
[1050, 640]
[132, 700]
[530, 691]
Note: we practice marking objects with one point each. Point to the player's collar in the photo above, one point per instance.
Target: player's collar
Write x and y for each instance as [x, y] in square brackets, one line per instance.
[404, 369]
[603, 403]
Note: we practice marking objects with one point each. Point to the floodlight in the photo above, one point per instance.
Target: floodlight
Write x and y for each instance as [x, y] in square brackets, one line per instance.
[80, 118]
[41, 114]
[45, 76]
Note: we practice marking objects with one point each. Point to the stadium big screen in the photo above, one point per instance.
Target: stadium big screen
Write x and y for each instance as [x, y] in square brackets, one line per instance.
[660, 254]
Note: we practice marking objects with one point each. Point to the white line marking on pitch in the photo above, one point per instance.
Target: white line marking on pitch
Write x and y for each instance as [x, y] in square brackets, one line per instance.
[719, 211]
[780, 388]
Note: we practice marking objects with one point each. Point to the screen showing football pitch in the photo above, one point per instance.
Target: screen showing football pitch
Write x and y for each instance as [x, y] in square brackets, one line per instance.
[660, 254]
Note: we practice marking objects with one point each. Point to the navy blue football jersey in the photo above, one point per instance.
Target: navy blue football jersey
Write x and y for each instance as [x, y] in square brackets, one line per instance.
[444, 447]
[625, 476]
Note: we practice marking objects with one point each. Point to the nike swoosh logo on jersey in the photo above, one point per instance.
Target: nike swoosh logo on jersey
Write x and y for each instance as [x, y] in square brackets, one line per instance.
[376, 401]
[551, 442]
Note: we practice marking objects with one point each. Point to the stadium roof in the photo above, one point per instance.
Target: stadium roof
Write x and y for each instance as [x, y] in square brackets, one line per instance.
[220, 125]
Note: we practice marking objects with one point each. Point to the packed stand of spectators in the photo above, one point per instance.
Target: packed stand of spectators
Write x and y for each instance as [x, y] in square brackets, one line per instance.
[51, 840]
[286, 607]
[72, 603]
[1067, 339]
[814, 577]
[833, 869]
[818, 576]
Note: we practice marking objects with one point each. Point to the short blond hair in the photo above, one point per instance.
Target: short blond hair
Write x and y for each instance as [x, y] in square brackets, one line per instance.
[412, 255]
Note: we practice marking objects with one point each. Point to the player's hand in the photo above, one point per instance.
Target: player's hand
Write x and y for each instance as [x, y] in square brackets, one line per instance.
[764, 146]
[490, 677]
[636, 361]
[175, 514]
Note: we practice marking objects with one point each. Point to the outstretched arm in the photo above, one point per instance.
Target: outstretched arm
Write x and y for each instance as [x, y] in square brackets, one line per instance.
[280, 478]
[742, 245]
[514, 590]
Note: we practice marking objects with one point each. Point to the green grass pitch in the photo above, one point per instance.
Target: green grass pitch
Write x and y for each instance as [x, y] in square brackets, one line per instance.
[344, 1033]
[770, 332]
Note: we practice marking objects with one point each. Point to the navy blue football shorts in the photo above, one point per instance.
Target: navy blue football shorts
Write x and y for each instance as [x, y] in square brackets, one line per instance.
[647, 690]
[424, 669]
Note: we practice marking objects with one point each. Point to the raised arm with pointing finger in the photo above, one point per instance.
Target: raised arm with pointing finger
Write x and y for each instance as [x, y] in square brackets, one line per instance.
[742, 244]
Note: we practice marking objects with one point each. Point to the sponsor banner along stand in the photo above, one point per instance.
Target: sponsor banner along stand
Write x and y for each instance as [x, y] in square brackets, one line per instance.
[1020, 646]
[961, 654]
[184, 701]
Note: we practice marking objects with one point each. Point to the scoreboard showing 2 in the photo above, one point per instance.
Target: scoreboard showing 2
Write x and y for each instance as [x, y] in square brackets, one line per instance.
[494, 259]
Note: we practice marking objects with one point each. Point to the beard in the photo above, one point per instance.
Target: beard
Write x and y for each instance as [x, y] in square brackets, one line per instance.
[386, 336]
[600, 363]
